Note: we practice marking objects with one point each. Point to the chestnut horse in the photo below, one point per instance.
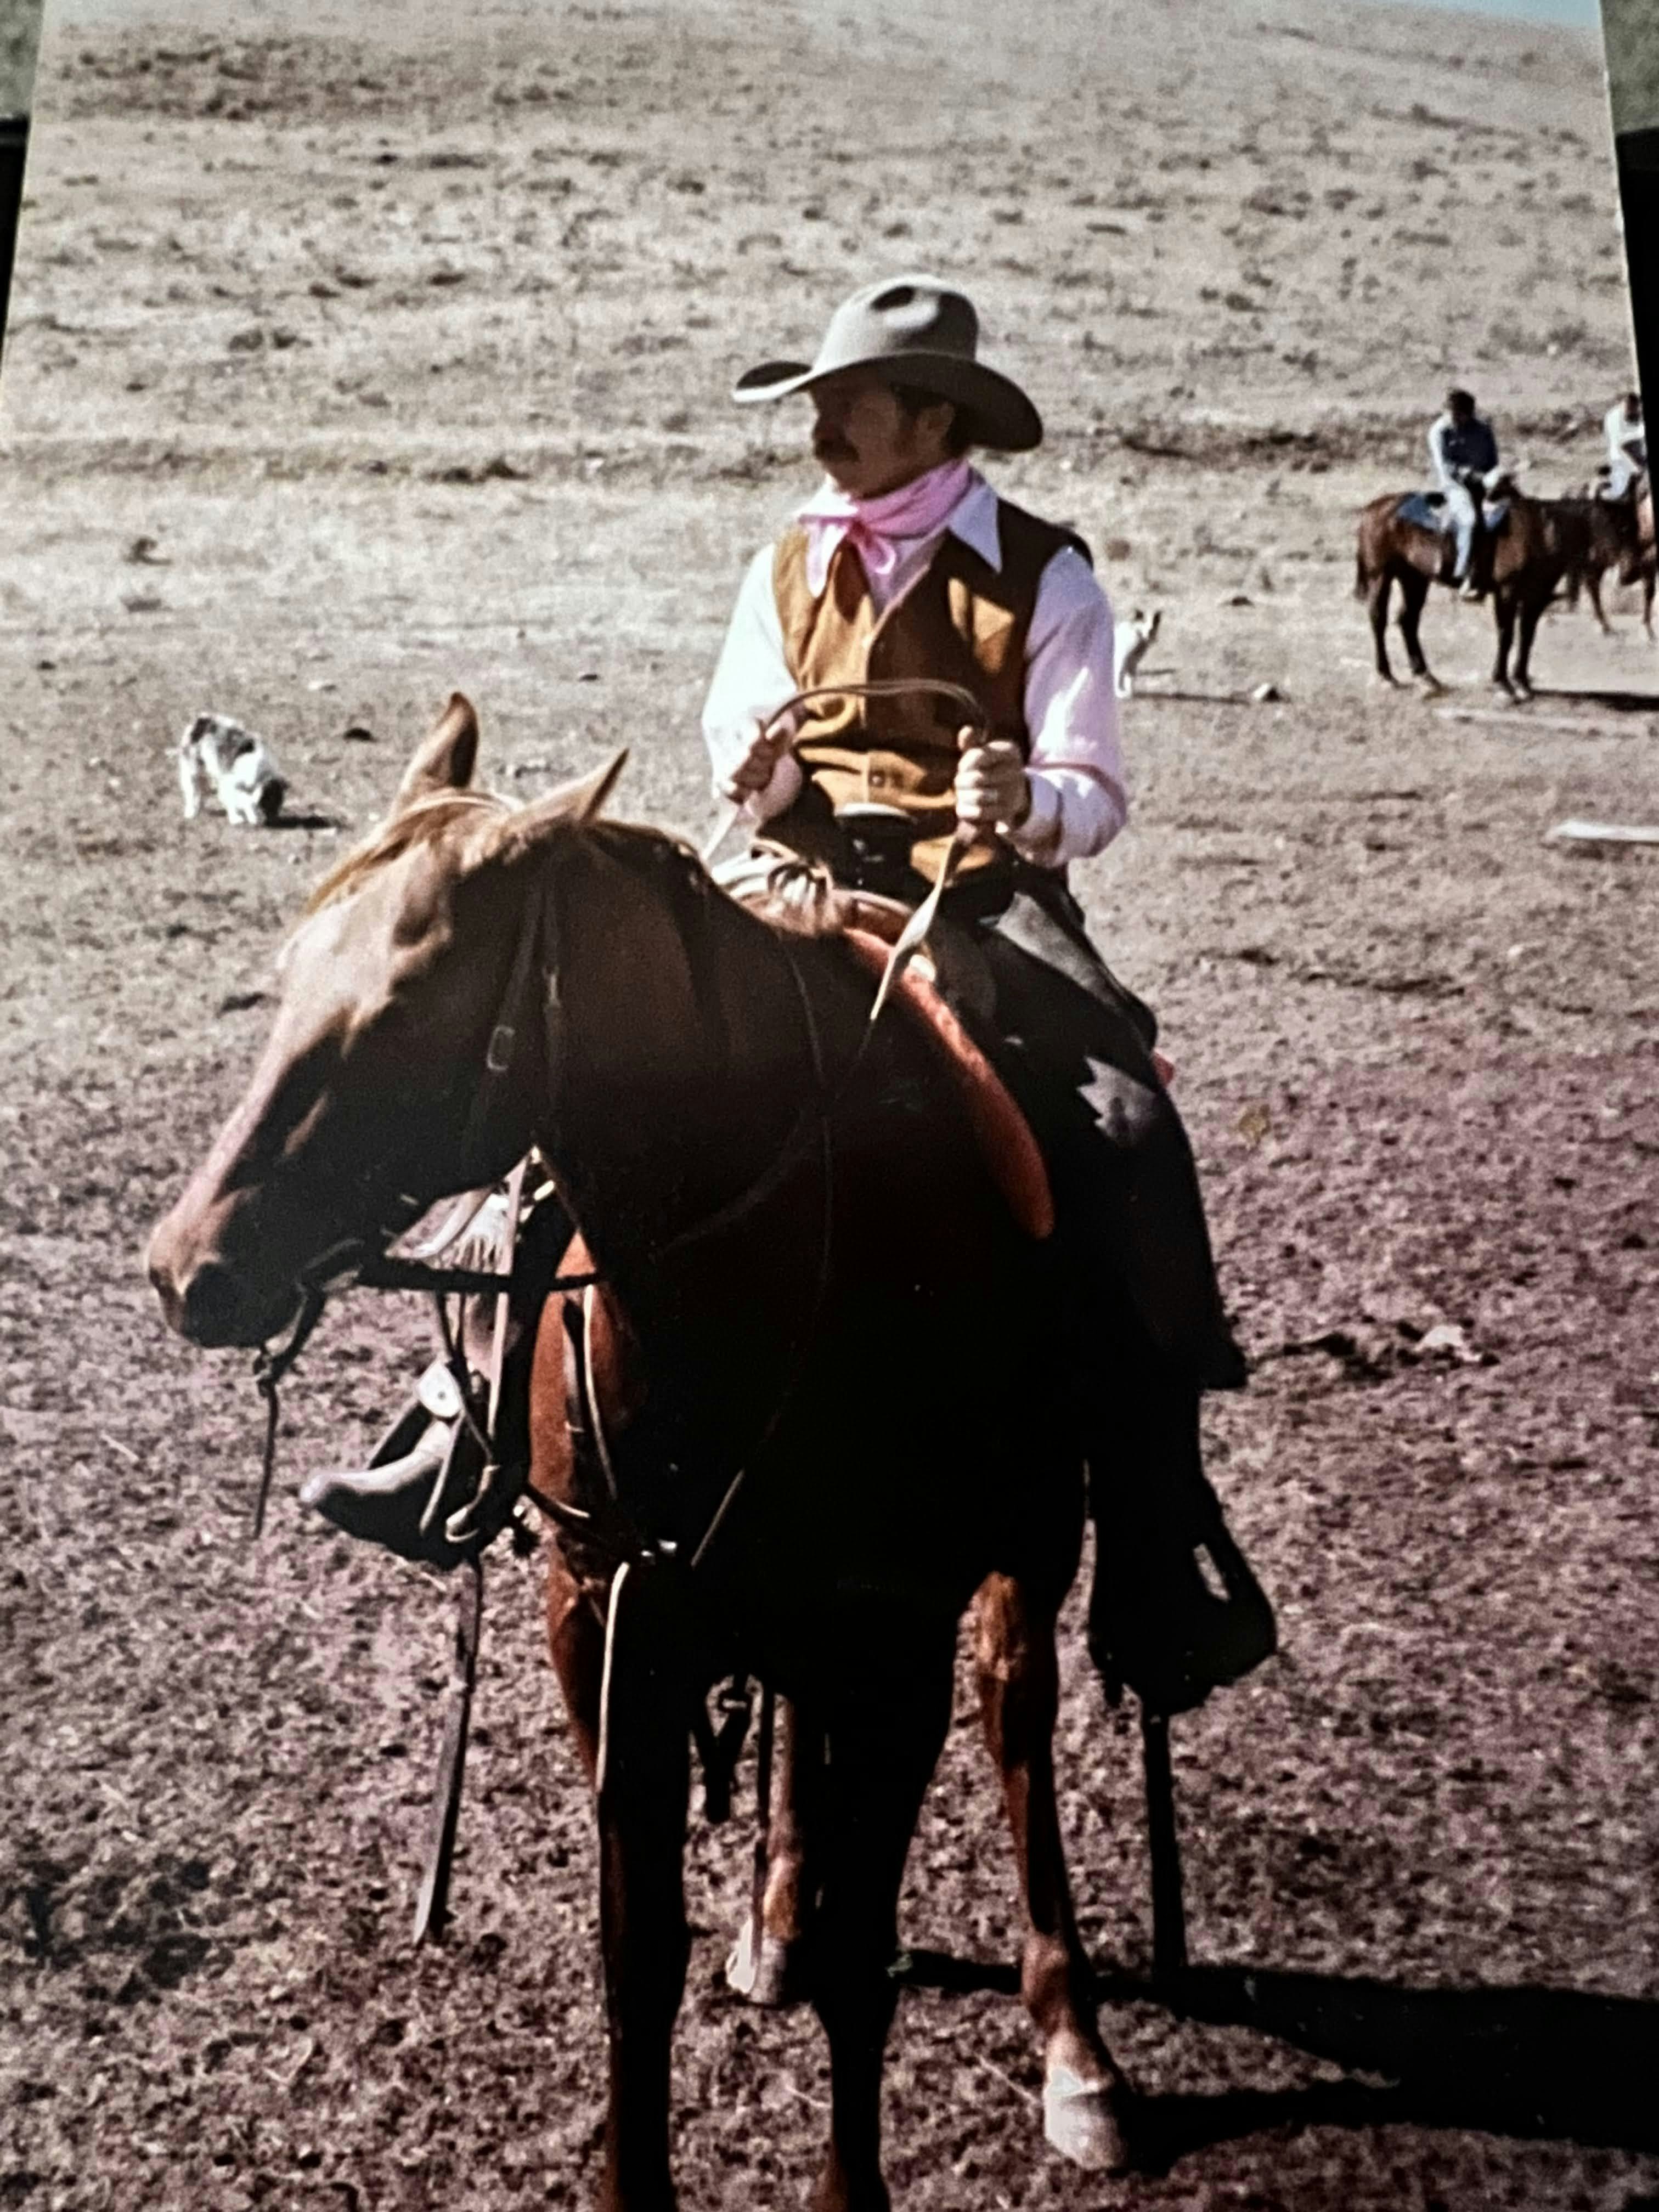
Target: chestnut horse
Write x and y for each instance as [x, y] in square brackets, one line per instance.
[1520, 563]
[823, 1408]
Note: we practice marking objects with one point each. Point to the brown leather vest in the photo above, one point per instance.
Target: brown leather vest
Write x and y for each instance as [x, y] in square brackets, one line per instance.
[963, 621]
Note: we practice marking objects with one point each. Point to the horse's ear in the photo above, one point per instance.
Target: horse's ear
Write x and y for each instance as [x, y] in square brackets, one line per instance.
[445, 760]
[587, 798]
[577, 802]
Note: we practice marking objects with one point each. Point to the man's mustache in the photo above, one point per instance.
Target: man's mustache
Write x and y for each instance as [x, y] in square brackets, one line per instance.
[833, 449]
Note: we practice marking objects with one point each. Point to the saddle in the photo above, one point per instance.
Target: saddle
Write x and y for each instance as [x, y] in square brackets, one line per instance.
[1427, 510]
[794, 893]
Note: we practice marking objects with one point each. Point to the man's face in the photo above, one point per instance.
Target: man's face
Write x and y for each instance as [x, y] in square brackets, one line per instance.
[1462, 412]
[866, 441]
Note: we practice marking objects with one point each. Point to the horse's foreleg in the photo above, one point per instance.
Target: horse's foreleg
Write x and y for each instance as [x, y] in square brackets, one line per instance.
[1019, 1695]
[789, 1897]
[1413, 591]
[1521, 674]
[1647, 603]
[1593, 586]
[881, 1756]
[641, 1808]
[774, 1969]
[1502, 607]
[641, 1817]
[1376, 606]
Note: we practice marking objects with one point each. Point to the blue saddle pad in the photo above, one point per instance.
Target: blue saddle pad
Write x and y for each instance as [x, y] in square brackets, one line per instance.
[1427, 509]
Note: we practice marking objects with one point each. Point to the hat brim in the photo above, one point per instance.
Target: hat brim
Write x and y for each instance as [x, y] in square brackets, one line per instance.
[996, 411]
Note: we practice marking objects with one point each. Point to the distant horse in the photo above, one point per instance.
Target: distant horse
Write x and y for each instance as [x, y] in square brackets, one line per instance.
[1599, 534]
[1519, 562]
[820, 1362]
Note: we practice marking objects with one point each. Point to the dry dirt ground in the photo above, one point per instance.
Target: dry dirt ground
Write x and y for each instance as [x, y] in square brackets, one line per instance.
[409, 361]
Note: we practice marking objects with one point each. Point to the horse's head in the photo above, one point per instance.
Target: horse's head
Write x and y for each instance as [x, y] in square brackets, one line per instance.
[365, 1105]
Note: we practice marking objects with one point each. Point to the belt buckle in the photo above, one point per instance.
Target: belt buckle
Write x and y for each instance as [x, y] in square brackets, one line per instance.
[877, 840]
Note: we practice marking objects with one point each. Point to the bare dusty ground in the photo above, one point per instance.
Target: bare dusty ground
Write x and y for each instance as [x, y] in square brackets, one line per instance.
[410, 359]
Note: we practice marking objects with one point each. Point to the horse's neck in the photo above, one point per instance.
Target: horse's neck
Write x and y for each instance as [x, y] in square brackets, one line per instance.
[678, 1057]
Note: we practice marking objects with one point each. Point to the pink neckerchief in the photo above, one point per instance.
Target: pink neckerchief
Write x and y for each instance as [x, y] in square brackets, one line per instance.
[875, 527]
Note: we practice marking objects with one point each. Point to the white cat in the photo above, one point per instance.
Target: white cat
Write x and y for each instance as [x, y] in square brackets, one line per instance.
[1130, 644]
[239, 767]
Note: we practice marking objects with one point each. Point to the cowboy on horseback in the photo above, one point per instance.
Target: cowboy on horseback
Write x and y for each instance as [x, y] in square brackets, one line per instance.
[1463, 452]
[908, 563]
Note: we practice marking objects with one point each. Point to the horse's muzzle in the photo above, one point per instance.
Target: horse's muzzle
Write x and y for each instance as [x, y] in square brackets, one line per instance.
[202, 1305]
[206, 1303]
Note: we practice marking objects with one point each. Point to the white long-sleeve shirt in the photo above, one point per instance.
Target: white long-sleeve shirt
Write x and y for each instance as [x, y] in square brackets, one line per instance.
[1079, 798]
[1627, 438]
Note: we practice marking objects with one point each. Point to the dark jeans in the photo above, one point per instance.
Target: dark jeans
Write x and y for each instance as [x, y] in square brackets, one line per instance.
[1135, 1279]
[1074, 1045]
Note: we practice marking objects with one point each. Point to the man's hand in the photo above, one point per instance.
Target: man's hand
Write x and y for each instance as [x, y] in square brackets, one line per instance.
[753, 772]
[992, 789]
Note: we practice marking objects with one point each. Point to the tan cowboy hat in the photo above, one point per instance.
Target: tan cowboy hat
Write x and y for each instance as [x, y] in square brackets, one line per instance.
[915, 330]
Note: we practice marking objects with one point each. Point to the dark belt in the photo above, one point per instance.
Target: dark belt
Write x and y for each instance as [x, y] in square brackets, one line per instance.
[869, 850]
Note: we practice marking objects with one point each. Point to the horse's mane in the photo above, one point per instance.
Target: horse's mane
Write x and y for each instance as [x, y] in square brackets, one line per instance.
[487, 825]
[423, 821]
[429, 815]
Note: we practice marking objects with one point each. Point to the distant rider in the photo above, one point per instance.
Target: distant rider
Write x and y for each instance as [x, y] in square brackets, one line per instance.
[1464, 453]
[1627, 444]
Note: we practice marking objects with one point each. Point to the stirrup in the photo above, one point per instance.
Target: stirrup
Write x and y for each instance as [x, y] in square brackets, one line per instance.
[427, 1494]
[1174, 1650]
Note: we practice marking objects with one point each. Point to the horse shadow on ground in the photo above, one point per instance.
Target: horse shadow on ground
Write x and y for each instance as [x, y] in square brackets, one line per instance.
[1529, 2063]
[1614, 702]
[1200, 698]
[315, 821]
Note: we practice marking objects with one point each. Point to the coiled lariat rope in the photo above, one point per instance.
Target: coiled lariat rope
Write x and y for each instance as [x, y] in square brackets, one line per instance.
[885, 687]
[914, 935]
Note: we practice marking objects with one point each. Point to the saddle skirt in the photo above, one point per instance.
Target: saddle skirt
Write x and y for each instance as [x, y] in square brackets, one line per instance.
[1007, 1145]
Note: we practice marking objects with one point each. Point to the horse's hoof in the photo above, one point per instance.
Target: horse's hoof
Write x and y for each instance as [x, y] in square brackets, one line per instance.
[1082, 2121]
[1383, 681]
[773, 1976]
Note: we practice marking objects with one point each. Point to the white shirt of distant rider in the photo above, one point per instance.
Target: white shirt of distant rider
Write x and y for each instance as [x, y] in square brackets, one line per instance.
[1626, 435]
[1079, 801]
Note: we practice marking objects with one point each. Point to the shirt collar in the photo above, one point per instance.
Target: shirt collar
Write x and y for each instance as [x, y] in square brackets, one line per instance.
[974, 520]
